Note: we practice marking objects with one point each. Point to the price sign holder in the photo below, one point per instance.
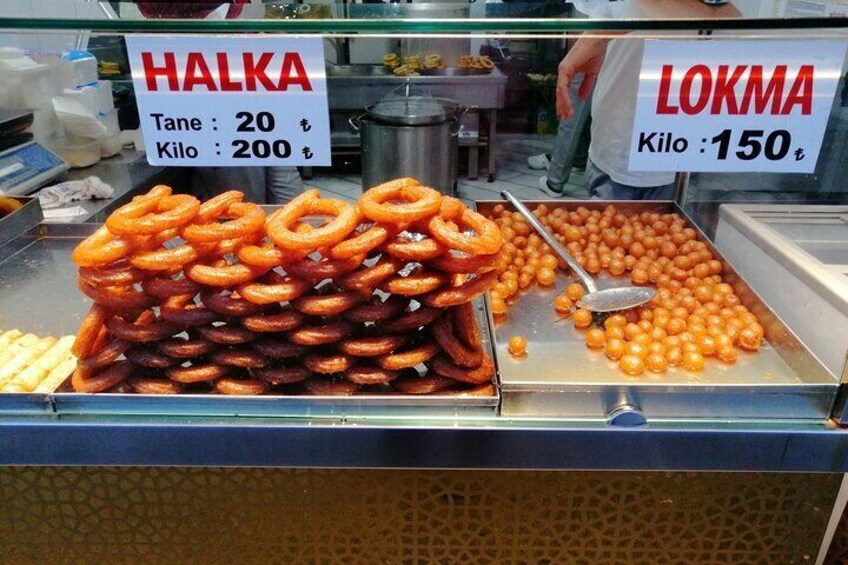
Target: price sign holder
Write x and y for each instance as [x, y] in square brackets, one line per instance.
[734, 105]
[244, 100]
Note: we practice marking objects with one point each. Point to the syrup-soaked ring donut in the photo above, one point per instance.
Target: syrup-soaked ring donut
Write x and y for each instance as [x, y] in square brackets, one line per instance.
[182, 310]
[315, 271]
[124, 299]
[152, 385]
[427, 384]
[228, 304]
[226, 335]
[227, 247]
[247, 219]
[329, 364]
[473, 264]
[153, 215]
[103, 338]
[276, 349]
[241, 387]
[245, 358]
[478, 390]
[451, 208]
[163, 288]
[163, 259]
[101, 248]
[267, 255]
[410, 321]
[376, 310]
[141, 332]
[148, 357]
[482, 374]
[105, 355]
[277, 322]
[197, 373]
[327, 304]
[487, 240]
[407, 249]
[362, 243]
[120, 273]
[283, 375]
[213, 208]
[415, 283]
[158, 191]
[366, 279]
[153, 241]
[274, 288]
[373, 346]
[345, 219]
[223, 275]
[409, 358]
[82, 381]
[370, 375]
[319, 386]
[183, 348]
[443, 331]
[415, 202]
[465, 325]
[320, 335]
[89, 329]
[467, 292]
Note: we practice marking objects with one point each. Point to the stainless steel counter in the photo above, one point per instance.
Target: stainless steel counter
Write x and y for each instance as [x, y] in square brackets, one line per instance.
[128, 173]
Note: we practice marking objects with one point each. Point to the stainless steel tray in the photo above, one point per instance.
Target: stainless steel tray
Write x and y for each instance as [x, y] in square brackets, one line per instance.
[560, 377]
[38, 294]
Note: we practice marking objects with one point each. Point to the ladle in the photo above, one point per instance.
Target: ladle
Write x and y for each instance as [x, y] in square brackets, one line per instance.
[595, 300]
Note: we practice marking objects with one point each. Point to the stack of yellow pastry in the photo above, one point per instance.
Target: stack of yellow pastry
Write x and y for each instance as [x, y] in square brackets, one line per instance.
[433, 61]
[480, 64]
[29, 363]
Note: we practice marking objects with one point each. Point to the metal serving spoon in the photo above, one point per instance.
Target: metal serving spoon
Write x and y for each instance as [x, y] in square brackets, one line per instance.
[595, 300]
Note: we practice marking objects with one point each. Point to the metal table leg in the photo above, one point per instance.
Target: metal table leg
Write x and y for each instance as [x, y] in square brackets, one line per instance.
[473, 162]
[492, 118]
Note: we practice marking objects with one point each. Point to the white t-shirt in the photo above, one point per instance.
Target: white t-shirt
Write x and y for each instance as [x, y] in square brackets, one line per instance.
[613, 114]
[614, 100]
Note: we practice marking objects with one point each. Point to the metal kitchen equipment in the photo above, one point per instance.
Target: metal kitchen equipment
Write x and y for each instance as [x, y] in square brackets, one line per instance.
[25, 164]
[608, 299]
[409, 133]
[560, 377]
[801, 270]
[40, 296]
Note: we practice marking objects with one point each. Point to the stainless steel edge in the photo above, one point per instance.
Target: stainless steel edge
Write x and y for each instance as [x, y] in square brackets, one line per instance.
[796, 260]
[485, 443]
[20, 221]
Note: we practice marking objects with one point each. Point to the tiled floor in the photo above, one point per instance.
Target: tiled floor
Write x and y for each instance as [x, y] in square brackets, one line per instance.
[513, 174]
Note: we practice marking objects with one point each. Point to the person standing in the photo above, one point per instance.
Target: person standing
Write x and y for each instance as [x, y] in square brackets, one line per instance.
[609, 70]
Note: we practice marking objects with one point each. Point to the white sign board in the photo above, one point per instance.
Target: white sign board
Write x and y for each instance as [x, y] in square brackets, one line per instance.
[734, 106]
[231, 100]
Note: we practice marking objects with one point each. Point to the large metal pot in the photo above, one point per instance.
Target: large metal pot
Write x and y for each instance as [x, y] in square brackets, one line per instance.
[419, 143]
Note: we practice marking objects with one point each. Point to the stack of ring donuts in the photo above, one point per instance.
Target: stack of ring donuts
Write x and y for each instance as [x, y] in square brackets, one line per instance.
[320, 297]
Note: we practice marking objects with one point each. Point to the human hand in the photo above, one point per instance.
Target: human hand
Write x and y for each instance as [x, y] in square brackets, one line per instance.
[586, 57]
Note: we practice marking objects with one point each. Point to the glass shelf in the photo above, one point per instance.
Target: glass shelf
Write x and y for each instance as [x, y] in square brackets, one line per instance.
[475, 17]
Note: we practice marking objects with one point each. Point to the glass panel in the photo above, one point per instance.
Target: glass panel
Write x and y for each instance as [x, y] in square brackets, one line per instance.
[526, 17]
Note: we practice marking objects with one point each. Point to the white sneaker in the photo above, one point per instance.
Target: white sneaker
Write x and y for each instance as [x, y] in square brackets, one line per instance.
[546, 188]
[539, 162]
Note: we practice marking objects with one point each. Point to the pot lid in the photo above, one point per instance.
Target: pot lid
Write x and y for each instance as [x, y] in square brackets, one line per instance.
[409, 105]
[415, 110]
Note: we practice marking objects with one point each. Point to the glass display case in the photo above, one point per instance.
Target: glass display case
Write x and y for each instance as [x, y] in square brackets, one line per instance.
[629, 127]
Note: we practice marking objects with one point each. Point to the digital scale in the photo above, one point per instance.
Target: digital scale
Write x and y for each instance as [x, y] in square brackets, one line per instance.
[25, 164]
